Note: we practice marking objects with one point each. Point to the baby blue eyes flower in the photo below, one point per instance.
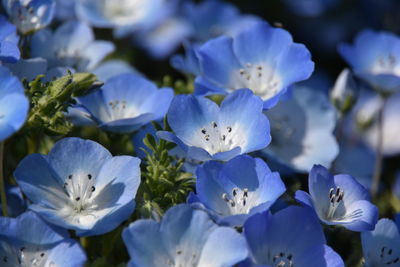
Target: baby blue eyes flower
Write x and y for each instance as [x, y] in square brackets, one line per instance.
[29, 241]
[80, 186]
[184, 237]
[13, 104]
[339, 200]
[233, 191]
[375, 57]
[126, 102]
[381, 247]
[291, 237]
[205, 131]
[119, 13]
[9, 51]
[261, 58]
[72, 44]
[302, 130]
[30, 15]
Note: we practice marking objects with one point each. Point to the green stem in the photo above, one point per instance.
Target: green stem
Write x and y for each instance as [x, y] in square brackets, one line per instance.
[379, 155]
[84, 242]
[2, 185]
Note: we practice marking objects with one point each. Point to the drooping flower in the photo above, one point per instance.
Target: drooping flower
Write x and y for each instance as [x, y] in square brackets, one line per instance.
[30, 15]
[126, 102]
[375, 57]
[290, 237]
[233, 191]
[345, 91]
[381, 247]
[13, 104]
[9, 51]
[29, 241]
[80, 186]
[184, 237]
[71, 45]
[205, 131]
[302, 130]
[261, 58]
[339, 200]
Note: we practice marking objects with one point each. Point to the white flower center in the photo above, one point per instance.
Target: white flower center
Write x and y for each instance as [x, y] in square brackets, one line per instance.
[387, 64]
[240, 201]
[283, 259]
[123, 12]
[183, 258]
[216, 138]
[25, 256]
[261, 79]
[118, 110]
[387, 257]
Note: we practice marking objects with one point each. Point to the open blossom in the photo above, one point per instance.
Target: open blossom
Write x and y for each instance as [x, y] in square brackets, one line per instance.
[339, 200]
[381, 247]
[28, 241]
[375, 57]
[79, 185]
[261, 58]
[184, 237]
[291, 237]
[126, 102]
[9, 51]
[233, 191]
[207, 131]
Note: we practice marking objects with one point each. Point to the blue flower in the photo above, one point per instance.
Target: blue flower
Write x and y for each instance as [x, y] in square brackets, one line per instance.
[185, 237]
[375, 57]
[339, 200]
[261, 58]
[28, 69]
[119, 13]
[345, 91]
[80, 186]
[13, 104]
[233, 191]
[29, 241]
[126, 102]
[16, 204]
[111, 68]
[188, 63]
[9, 51]
[210, 19]
[302, 130]
[30, 15]
[205, 131]
[290, 237]
[381, 247]
[71, 45]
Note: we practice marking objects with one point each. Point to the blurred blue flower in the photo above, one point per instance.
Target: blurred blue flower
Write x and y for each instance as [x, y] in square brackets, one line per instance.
[233, 191]
[290, 237]
[210, 19]
[345, 91]
[188, 63]
[185, 237]
[111, 68]
[65, 9]
[29, 241]
[261, 58]
[29, 68]
[72, 44]
[134, 14]
[375, 58]
[205, 131]
[364, 121]
[339, 200]
[30, 15]
[14, 104]
[9, 51]
[126, 102]
[381, 247]
[302, 130]
[80, 186]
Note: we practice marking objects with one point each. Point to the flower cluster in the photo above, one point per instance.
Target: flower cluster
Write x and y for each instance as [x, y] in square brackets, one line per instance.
[103, 164]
